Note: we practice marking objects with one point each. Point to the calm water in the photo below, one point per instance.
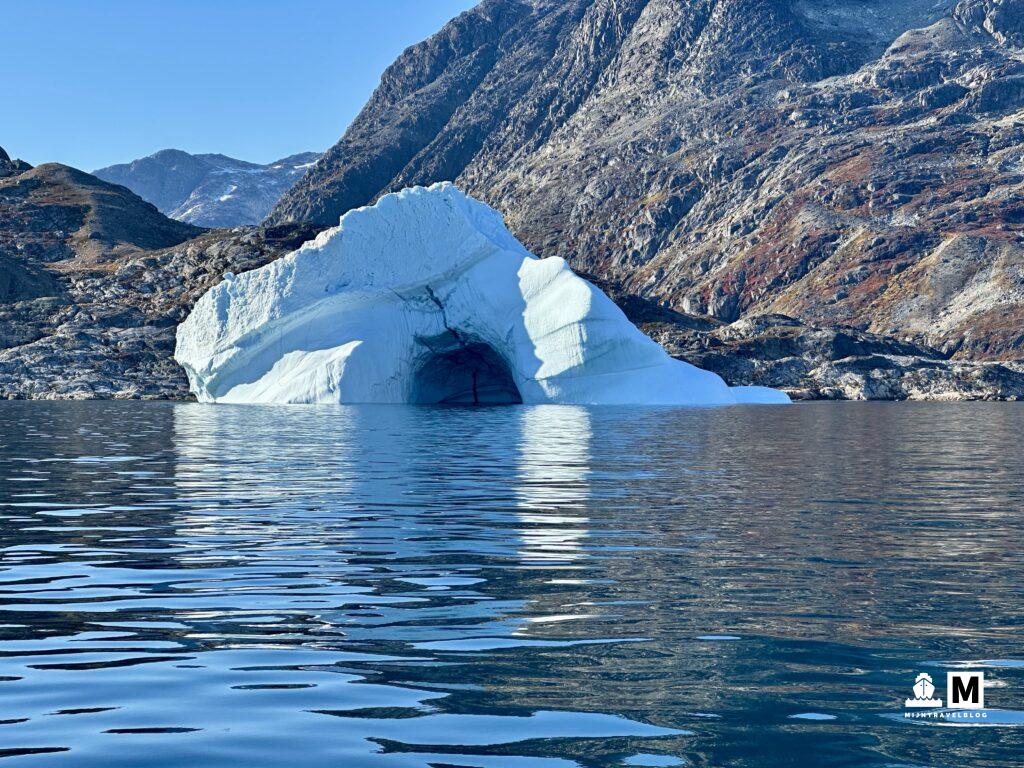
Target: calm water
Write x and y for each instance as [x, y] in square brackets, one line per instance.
[184, 585]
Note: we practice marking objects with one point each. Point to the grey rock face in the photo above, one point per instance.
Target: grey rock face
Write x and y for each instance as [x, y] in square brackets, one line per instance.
[209, 190]
[1003, 19]
[848, 162]
[811, 363]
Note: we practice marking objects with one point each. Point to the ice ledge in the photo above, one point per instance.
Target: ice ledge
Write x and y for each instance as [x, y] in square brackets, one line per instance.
[426, 297]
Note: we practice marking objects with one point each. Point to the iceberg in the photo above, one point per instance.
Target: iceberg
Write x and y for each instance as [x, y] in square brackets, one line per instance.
[427, 298]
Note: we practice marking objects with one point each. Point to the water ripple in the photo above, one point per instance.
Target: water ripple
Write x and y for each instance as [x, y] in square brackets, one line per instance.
[504, 588]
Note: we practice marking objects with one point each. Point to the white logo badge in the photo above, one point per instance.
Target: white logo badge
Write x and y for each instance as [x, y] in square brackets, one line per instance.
[924, 689]
[965, 690]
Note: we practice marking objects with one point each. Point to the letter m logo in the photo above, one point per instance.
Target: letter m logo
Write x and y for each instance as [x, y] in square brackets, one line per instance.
[965, 690]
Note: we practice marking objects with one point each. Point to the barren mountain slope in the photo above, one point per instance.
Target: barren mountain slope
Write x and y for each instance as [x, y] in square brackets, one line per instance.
[843, 161]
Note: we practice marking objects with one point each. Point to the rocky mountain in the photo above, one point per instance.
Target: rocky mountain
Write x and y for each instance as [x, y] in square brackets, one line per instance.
[209, 190]
[111, 333]
[94, 280]
[846, 162]
[65, 219]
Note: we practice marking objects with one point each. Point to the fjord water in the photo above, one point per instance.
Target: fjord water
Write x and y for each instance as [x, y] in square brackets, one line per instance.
[185, 585]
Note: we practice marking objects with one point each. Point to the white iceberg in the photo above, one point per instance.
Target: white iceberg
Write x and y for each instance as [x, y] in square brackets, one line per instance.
[426, 297]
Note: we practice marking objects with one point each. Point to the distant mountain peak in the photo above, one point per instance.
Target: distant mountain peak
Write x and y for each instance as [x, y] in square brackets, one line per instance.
[210, 190]
[98, 221]
[169, 154]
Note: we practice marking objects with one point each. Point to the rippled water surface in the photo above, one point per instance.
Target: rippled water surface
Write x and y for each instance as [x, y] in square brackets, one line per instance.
[184, 585]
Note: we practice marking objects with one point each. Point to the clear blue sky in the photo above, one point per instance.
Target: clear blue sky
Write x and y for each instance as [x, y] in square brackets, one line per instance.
[90, 83]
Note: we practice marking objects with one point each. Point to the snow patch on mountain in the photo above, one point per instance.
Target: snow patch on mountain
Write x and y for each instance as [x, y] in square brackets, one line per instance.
[427, 298]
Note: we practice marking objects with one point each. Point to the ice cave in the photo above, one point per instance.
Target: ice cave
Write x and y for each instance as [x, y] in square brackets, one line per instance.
[426, 298]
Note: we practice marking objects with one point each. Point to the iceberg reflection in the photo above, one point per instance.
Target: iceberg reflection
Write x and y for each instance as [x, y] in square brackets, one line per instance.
[551, 484]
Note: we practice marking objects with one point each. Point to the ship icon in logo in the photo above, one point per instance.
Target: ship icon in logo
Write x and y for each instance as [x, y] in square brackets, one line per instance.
[924, 689]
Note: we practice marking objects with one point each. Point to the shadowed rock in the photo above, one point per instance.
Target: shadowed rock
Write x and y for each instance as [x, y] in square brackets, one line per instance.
[9, 167]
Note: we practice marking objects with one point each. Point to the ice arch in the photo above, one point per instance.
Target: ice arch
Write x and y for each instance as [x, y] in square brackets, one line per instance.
[427, 298]
[463, 372]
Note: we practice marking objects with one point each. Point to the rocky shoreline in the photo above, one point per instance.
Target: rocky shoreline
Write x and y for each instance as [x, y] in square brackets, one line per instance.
[811, 363]
[110, 334]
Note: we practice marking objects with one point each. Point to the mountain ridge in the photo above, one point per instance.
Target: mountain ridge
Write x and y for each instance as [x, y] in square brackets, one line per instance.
[209, 190]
